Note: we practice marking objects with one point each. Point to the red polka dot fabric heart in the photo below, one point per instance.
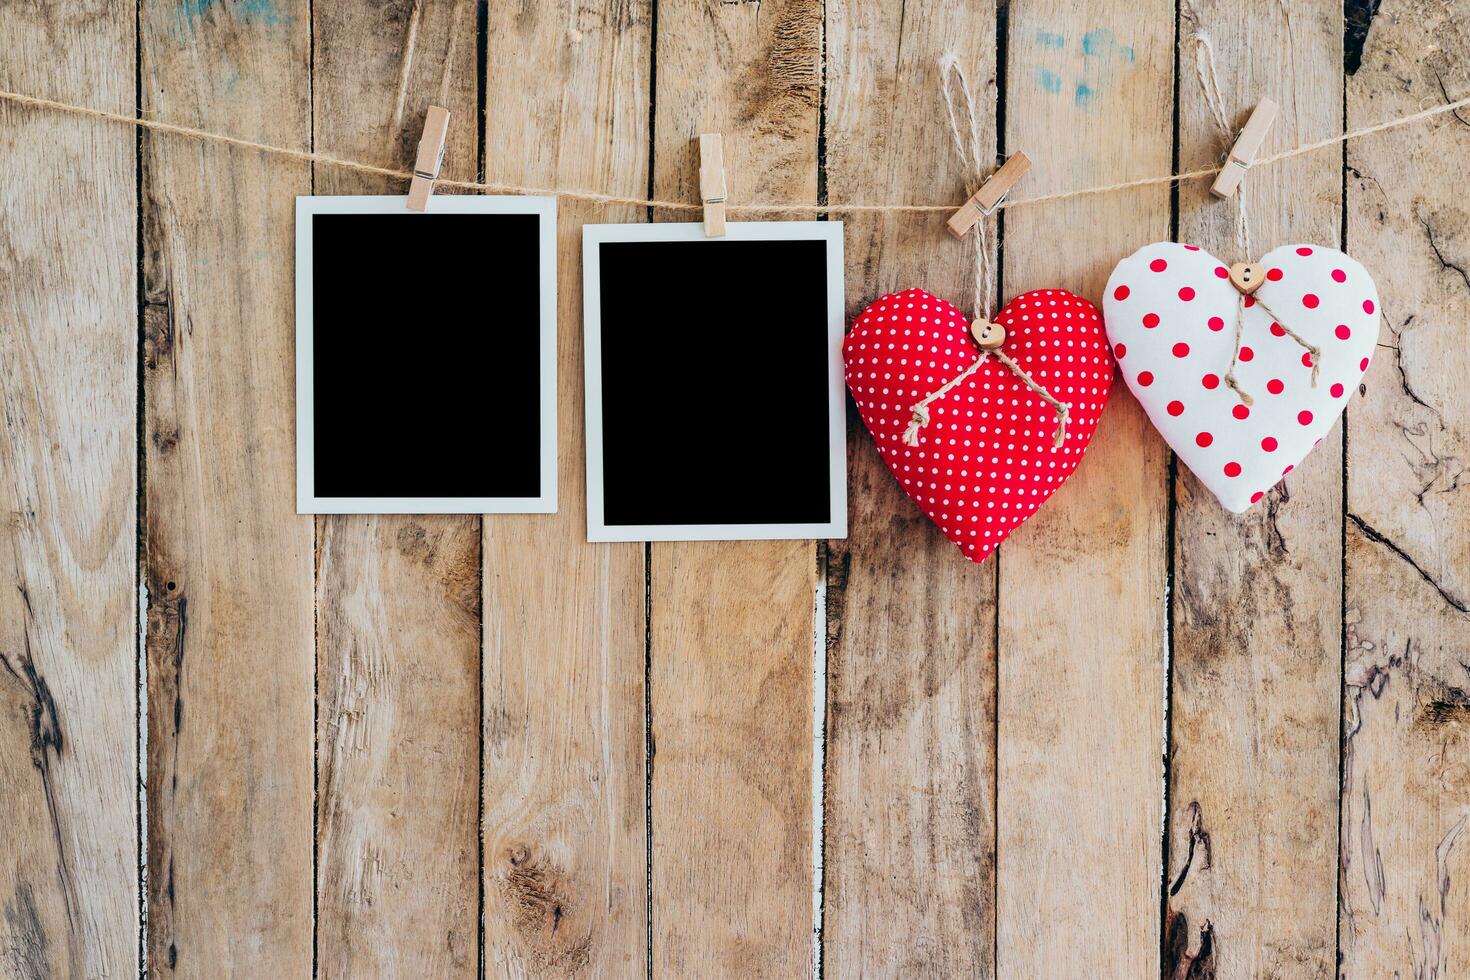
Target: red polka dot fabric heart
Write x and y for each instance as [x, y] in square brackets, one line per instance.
[986, 459]
[1171, 317]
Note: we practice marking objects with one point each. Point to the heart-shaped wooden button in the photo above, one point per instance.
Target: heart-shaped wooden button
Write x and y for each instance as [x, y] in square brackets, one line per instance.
[983, 458]
[1247, 276]
[1241, 420]
[988, 334]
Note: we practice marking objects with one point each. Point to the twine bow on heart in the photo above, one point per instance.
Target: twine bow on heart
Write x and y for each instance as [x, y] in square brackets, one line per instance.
[950, 74]
[1313, 351]
[921, 409]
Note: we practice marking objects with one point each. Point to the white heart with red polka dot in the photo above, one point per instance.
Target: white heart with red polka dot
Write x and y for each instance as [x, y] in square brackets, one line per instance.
[1171, 316]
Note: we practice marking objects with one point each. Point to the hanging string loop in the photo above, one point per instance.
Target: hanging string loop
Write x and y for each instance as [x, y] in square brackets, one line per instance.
[1204, 66]
[964, 129]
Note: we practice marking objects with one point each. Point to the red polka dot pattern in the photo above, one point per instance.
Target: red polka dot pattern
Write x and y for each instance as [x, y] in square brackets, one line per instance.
[985, 461]
[1177, 364]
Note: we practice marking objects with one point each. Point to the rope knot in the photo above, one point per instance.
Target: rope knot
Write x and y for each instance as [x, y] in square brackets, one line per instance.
[1064, 410]
[919, 420]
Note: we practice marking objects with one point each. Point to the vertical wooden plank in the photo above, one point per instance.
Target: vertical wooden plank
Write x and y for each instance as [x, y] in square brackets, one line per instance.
[732, 624]
[68, 612]
[1405, 876]
[909, 868]
[1089, 95]
[228, 561]
[565, 820]
[398, 747]
[398, 597]
[1257, 604]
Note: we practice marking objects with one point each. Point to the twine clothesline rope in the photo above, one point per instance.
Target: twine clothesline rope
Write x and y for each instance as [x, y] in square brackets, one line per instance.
[311, 156]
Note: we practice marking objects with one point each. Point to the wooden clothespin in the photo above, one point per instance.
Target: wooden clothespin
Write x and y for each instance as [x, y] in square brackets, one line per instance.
[1247, 145]
[712, 183]
[991, 193]
[430, 157]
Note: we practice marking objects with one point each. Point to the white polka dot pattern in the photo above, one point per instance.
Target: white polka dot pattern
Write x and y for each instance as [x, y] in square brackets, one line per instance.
[985, 461]
[1171, 311]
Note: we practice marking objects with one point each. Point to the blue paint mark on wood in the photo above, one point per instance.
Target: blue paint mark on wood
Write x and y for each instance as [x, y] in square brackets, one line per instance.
[192, 13]
[1097, 42]
[1101, 43]
[1088, 77]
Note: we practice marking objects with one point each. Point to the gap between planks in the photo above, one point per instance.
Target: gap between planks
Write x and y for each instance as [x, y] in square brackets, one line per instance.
[819, 750]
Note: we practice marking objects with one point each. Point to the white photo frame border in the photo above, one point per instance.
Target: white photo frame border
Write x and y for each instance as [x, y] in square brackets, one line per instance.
[307, 207]
[593, 238]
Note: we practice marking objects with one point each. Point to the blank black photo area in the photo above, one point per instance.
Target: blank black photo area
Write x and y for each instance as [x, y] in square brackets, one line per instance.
[715, 376]
[426, 355]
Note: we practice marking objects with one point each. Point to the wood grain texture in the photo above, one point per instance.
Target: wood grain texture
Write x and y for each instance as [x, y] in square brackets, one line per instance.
[909, 868]
[398, 833]
[398, 747]
[981, 819]
[1257, 603]
[1081, 620]
[1406, 788]
[228, 562]
[398, 597]
[565, 818]
[732, 624]
[68, 608]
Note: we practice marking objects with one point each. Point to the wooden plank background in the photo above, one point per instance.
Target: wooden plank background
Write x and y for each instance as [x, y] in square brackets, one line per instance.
[1147, 738]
